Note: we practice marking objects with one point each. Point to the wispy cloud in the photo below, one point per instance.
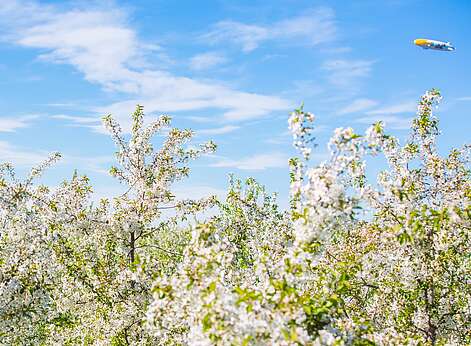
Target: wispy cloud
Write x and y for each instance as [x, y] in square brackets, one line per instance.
[346, 73]
[61, 105]
[255, 162]
[92, 123]
[76, 119]
[199, 119]
[99, 43]
[358, 105]
[10, 124]
[391, 121]
[464, 98]
[20, 156]
[185, 94]
[391, 115]
[314, 27]
[218, 130]
[207, 60]
[336, 50]
[29, 157]
[403, 107]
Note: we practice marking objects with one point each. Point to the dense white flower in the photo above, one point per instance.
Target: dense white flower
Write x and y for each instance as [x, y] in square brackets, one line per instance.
[354, 261]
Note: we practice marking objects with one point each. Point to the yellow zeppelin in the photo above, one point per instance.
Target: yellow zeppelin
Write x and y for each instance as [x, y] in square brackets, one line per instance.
[420, 42]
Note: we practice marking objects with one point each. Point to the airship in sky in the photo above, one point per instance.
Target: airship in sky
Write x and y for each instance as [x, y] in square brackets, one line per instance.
[433, 44]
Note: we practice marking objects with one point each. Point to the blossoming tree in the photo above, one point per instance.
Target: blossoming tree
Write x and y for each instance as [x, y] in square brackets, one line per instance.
[68, 269]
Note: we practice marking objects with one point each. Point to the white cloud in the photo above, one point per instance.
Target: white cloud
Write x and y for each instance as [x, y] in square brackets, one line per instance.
[174, 94]
[19, 156]
[248, 36]
[314, 27]
[99, 43]
[337, 50]
[391, 121]
[255, 162]
[76, 119]
[390, 115]
[27, 157]
[10, 124]
[218, 130]
[404, 107]
[61, 105]
[358, 105]
[464, 98]
[92, 123]
[206, 60]
[345, 73]
[19, 12]
[199, 119]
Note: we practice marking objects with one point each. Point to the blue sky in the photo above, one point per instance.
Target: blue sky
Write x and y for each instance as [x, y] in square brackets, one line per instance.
[230, 70]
